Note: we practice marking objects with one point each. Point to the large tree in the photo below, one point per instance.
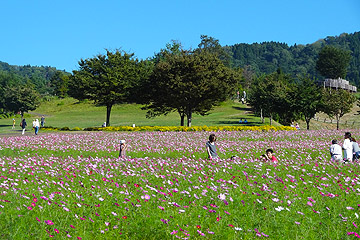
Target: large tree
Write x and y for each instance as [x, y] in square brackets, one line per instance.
[273, 95]
[336, 103]
[106, 79]
[333, 62]
[21, 98]
[308, 99]
[188, 83]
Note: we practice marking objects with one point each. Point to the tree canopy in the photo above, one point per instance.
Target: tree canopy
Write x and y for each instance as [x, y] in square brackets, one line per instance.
[273, 95]
[336, 103]
[308, 99]
[188, 83]
[333, 62]
[106, 79]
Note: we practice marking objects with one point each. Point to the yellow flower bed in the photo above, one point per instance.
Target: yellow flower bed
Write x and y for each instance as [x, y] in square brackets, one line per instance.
[192, 129]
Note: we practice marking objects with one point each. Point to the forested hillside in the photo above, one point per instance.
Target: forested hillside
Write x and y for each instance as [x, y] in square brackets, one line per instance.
[258, 58]
[267, 57]
[38, 76]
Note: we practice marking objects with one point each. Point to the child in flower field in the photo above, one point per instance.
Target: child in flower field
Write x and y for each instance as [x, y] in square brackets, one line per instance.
[268, 156]
[123, 146]
[335, 151]
[211, 147]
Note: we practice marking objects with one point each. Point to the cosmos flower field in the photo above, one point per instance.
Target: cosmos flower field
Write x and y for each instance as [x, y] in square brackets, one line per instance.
[73, 186]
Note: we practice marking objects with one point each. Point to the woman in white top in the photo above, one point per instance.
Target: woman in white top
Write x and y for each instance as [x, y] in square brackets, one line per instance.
[348, 147]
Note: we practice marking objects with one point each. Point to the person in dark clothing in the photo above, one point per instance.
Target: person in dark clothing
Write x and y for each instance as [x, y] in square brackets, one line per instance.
[23, 125]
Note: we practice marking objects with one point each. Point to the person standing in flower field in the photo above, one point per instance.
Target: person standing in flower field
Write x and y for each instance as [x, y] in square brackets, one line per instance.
[13, 127]
[211, 147]
[336, 151]
[123, 147]
[348, 147]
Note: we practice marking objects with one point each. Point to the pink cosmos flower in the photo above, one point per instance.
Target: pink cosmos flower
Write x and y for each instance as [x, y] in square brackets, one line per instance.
[49, 222]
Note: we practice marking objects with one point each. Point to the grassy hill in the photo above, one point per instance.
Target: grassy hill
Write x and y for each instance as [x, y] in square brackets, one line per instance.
[71, 113]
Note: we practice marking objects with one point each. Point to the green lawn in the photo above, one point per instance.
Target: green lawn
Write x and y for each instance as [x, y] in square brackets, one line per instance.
[71, 113]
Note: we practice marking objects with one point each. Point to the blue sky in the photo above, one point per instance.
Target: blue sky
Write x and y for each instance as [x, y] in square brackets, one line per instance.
[59, 33]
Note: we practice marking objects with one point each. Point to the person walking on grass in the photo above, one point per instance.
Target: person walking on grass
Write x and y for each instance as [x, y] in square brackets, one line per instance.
[123, 147]
[37, 126]
[42, 121]
[348, 147]
[211, 147]
[23, 125]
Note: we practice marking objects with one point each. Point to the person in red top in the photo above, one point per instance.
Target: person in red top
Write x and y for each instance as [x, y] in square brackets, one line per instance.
[268, 156]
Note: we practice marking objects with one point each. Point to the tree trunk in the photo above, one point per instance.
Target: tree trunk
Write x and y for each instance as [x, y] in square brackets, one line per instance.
[189, 115]
[182, 118]
[108, 111]
[261, 116]
[307, 123]
[337, 122]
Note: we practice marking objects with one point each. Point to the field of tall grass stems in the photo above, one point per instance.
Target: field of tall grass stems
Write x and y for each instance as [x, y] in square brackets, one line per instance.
[74, 186]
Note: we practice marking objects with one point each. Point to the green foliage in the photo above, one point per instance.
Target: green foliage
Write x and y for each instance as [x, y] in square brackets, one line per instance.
[59, 84]
[21, 99]
[188, 83]
[308, 98]
[336, 103]
[333, 62]
[38, 76]
[266, 57]
[212, 45]
[106, 79]
[274, 95]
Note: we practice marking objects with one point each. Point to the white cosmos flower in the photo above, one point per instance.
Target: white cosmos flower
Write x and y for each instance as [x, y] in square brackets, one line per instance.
[222, 196]
[279, 208]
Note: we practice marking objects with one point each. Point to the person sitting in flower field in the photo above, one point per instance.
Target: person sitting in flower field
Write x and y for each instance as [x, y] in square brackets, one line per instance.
[348, 147]
[356, 149]
[268, 156]
[335, 151]
[123, 147]
[211, 147]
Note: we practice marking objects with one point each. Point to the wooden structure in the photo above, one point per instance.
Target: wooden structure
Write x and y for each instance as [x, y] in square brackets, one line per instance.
[339, 83]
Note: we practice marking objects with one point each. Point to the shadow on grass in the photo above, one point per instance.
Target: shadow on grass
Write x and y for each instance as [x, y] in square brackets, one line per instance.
[242, 108]
[240, 124]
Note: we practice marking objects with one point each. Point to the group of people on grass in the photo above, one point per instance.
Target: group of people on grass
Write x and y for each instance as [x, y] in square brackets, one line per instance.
[212, 154]
[35, 124]
[210, 149]
[350, 147]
